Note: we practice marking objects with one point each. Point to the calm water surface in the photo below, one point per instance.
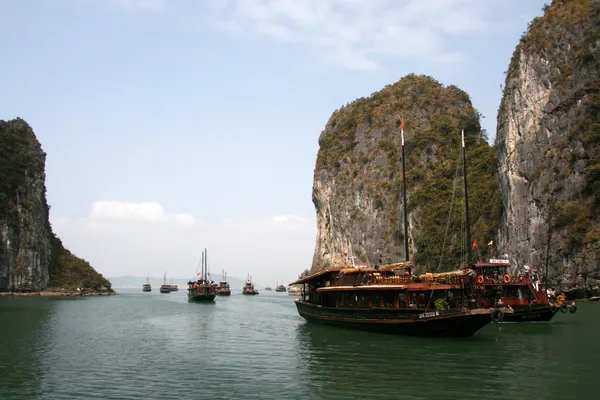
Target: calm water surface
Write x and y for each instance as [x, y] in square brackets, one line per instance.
[158, 346]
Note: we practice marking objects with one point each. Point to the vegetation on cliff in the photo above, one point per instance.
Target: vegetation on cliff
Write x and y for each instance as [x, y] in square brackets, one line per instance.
[566, 40]
[360, 158]
[22, 159]
[548, 144]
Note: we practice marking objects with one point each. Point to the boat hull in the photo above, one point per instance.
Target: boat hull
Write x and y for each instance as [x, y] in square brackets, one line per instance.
[543, 313]
[228, 293]
[196, 297]
[249, 293]
[400, 322]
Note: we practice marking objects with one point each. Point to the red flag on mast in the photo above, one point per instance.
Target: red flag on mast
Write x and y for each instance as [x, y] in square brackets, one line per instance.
[402, 122]
[474, 245]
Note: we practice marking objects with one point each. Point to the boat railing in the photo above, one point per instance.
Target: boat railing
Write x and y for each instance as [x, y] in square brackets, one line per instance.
[506, 279]
[390, 280]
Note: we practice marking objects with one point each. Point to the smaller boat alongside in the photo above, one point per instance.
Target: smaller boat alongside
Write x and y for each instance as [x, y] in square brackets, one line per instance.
[223, 288]
[496, 286]
[147, 287]
[202, 290]
[249, 287]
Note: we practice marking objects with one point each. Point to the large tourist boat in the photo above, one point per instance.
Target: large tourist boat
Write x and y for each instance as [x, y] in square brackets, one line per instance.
[203, 289]
[391, 299]
[223, 288]
[521, 292]
[248, 288]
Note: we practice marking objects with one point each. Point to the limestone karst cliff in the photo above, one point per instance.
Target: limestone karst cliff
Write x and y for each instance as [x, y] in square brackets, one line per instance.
[548, 145]
[357, 179]
[32, 257]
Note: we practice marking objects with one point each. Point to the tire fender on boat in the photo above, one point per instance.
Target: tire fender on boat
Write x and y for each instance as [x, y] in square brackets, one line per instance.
[563, 308]
[573, 309]
[529, 307]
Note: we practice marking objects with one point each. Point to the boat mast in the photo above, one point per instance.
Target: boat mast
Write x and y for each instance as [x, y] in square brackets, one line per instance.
[467, 221]
[404, 194]
[550, 209]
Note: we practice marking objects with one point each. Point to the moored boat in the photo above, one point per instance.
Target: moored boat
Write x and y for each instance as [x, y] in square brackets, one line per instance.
[202, 290]
[147, 287]
[223, 288]
[165, 287]
[268, 288]
[280, 288]
[248, 288]
[388, 300]
[521, 292]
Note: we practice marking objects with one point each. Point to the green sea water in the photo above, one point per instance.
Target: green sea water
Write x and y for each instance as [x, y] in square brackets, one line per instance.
[158, 346]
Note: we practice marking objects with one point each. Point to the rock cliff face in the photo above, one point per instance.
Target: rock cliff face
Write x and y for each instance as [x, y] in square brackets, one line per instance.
[547, 144]
[357, 179]
[31, 256]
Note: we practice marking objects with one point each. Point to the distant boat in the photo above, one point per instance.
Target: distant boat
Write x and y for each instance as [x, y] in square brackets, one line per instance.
[147, 287]
[249, 287]
[268, 288]
[280, 288]
[165, 288]
[173, 286]
[223, 288]
[203, 289]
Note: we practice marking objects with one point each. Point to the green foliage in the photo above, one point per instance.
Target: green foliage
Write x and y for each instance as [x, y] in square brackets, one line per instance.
[441, 304]
[20, 156]
[71, 272]
[434, 116]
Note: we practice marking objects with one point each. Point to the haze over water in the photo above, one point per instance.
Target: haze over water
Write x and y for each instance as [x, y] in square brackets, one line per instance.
[159, 346]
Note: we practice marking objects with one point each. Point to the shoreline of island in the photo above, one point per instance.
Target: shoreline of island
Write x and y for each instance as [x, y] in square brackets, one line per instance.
[61, 292]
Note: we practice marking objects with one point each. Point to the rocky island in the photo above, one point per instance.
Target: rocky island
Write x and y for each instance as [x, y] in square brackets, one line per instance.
[33, 260]
[534, 194]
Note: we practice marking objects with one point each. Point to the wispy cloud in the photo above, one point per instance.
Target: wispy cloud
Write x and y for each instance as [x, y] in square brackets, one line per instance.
[149, 212]
[154, 5]
[355, 33]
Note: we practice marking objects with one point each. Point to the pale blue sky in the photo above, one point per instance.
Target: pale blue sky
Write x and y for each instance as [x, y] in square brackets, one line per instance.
[212, 109]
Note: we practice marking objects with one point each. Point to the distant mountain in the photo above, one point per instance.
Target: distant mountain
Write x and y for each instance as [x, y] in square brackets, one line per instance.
[131, 281]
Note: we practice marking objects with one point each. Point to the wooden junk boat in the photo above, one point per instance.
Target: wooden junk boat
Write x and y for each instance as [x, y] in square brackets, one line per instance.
[498, 287]
[249, 287]
[390, 299]
[165, 287]
[147, 287]
[203, 289]
[223, 288]
[280, 288]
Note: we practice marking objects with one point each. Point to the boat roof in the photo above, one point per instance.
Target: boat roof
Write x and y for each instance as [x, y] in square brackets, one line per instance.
[351, 269]
[416, 287]
[492, 265]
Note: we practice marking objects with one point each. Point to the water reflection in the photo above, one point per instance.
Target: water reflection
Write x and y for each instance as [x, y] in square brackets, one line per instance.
[25, 322]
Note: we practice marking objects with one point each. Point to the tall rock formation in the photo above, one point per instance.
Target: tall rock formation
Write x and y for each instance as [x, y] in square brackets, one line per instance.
[548, 144]
[357, 179]
[31, 256]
